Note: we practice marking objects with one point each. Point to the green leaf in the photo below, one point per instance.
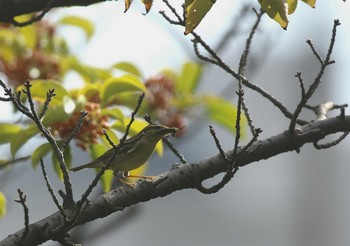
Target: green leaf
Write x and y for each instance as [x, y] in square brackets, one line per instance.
[88, 73]
[22, 136]
[135, 127]
[96, 150]
[56, 113]
[115, 113]
[93, 74]
[113, 137]
[222, 112]
[128, 67]
[311, 3]
[2, 205]
[89, 91]
[128, 99]
[7, 131]
[40, 152]
[189, 78]
[40, 88]
[113, 87]
[84, 24]
[30, 35]
[276, 10]
[107, 180]
[67, 154]
[195, 10]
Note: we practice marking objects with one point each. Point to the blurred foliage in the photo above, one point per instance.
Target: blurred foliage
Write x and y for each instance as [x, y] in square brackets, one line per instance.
[38, 53]
[2, 205]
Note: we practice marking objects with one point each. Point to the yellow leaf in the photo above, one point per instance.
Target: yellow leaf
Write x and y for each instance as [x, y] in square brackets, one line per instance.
[140, 171]
[148, 5]
[107, 180]
[82, 23]
[292, 5]
[276, 10]
[127, 5]
[111, 88]
[2, 205]
[195, 10]
[312, 3]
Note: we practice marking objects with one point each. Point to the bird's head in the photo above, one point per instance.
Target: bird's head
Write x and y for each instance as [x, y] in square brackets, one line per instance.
[155, 132]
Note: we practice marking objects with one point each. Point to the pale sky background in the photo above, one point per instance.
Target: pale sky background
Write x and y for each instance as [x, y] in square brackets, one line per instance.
[288, 200]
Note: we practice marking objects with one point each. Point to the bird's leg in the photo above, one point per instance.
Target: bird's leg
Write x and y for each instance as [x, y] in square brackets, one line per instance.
[124, 175]
[127, 175]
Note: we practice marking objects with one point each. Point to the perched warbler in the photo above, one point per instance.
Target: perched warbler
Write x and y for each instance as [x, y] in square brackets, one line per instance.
[133, 153]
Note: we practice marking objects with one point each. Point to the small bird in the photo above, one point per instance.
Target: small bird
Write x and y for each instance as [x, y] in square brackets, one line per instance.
[133, 153]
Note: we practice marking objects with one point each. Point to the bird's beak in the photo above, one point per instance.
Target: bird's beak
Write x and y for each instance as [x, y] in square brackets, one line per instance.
[174, 130]
[171, 130]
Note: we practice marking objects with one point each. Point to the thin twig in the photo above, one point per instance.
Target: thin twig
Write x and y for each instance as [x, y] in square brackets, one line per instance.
[200, 56]
[218, 145]
[169, 19]
[317, 81]
[250, 143]
[342, 113]
[301, 84]
[215, 188]
[69, 201]
[22, 200]
[51, 191]
[230, 172]
[75, 131]
[232, 168]
[309, 42]
[14, 161]
[167, 142]
[3, 99]
[240, 95]
[244, 58]
[175, 151]
[243, 64]
[331, 46]
[50, 94]
[332, 143]
[180, 21]
[16, 100]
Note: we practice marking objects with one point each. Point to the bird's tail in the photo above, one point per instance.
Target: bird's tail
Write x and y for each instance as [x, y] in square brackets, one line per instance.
[93, 164]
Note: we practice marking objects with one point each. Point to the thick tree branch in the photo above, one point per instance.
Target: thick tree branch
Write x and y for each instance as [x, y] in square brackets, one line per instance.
[12, 8]
[184, 177]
